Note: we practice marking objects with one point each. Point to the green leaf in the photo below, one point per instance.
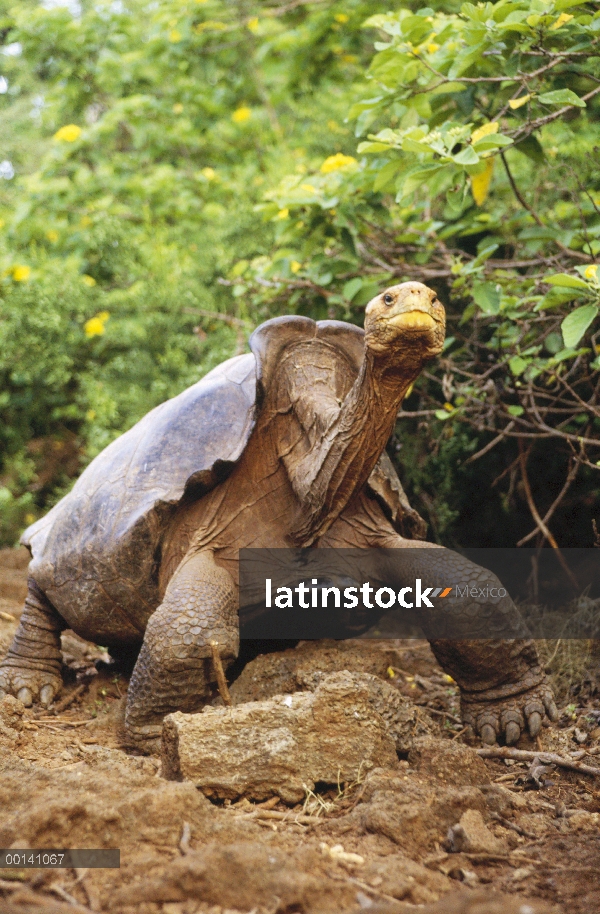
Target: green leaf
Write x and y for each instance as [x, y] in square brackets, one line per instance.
[515, 410]
[442, 415]
[532, 148]
[488, 296]
[385, 174]
[576, 323]
[352, 287]
[517, 365]
[564, 279]
[561, 97]
[466, 156]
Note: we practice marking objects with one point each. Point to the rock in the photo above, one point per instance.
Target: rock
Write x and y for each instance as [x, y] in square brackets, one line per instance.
[450, 762]
[288, 743]
[473, 836]
[582, 820]
[11, 712]
[300, 669]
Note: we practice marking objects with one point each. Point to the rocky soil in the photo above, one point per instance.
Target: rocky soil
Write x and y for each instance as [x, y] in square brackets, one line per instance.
[424, 826]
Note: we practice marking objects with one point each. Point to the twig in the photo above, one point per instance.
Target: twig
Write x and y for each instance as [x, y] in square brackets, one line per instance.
[58, 890]
[534, 511]
[62, 705]
[52, 722]
[547, 758]
[570, 477]
[288, 816]
[220, 674]
[492, 443]
[10, 886]
[512, 825]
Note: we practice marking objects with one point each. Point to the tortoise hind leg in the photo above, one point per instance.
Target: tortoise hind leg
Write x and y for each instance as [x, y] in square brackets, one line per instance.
[174, 670]
[32, 666]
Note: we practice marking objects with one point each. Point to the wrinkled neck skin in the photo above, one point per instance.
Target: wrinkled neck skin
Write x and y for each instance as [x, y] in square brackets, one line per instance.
[341, 463]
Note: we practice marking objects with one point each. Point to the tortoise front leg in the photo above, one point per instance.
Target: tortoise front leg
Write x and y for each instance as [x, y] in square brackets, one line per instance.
[174, 670]
[503, 688]
[32, 666]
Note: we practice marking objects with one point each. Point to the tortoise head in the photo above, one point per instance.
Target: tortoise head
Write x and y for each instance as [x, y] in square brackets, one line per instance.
[405, 319]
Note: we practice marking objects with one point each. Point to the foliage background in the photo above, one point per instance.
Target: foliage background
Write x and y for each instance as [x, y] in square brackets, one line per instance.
[174, 172]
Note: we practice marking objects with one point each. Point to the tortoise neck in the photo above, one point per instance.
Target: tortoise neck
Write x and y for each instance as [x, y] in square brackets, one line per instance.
[379, 389]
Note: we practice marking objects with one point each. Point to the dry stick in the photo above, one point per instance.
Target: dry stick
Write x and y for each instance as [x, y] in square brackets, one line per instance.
[220, 674]
[62, 705]
[289, 816]
[548, 758]
[535, 513]
[570, 477]
[492, 443]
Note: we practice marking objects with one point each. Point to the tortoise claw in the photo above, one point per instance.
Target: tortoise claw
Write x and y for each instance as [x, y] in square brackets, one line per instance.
[535, 723]
[551, 709]
[25, 695]
[513, 732]
[46, 695]
[488, 735]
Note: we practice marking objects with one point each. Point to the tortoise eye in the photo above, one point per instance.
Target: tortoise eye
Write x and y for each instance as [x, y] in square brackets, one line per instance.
[388, 299]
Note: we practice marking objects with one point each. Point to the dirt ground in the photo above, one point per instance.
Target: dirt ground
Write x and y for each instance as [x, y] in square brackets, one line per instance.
[378, 846]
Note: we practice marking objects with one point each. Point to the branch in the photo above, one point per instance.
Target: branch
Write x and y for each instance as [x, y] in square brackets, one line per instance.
[540, 523]
[529, 127]
[574, 469]
[547, 758]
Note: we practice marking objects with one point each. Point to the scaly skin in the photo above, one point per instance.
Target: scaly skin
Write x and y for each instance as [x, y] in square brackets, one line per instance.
[32, 668]
[502, 685]
[174, 669]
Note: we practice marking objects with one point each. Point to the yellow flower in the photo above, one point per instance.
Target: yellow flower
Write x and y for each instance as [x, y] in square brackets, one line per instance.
[295, 266]
[337, 161]
[29, 518]
[433, 47]
[253, 25]
[390, 672]
[241, 115]
[177, 108]
[591, 272]
[283, 213]
[341, 17]
[52, 236]
[562, 19]
[515, 103]
[174, 36]
[309, 188]
[485, 130]
[209, 173]
[480, 184]
[88, 280]
[95, 325]
[85, 221]
[21, 273]
[67, 134]
[349, 58]
[90, 415]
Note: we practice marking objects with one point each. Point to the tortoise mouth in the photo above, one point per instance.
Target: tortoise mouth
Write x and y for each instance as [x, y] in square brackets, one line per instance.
[412, 320]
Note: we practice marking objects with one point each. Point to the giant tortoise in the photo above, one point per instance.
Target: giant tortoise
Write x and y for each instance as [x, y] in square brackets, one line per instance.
[282, 446]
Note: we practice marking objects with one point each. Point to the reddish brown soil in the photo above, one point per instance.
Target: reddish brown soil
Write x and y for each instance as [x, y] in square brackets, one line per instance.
[67, 781]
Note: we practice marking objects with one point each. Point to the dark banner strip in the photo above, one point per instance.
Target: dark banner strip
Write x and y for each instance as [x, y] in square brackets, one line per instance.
[419, 592]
